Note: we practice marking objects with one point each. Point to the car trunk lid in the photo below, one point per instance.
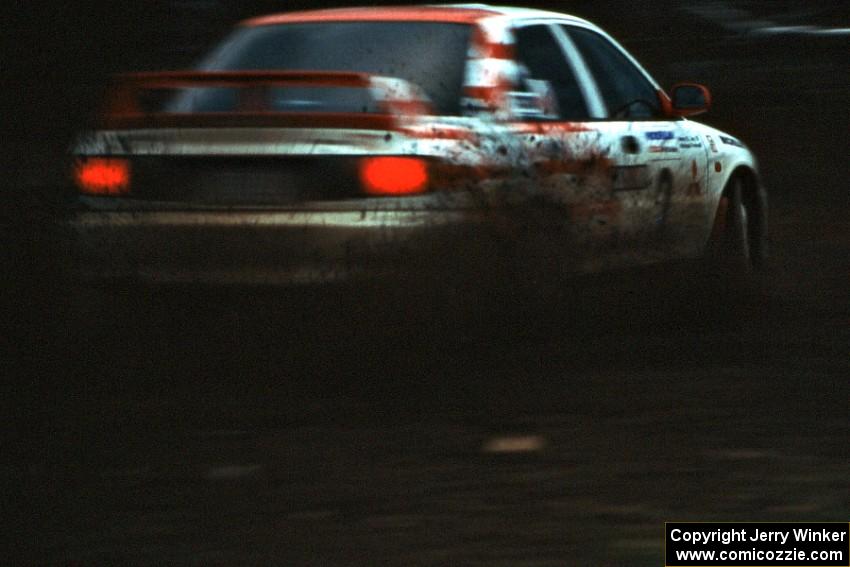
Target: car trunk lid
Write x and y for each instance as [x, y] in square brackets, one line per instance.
[229, 138]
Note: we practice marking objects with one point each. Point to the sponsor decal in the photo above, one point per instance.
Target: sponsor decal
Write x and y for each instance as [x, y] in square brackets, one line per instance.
[731, 142]
[660, 135]
[687, 142]
[663, 149]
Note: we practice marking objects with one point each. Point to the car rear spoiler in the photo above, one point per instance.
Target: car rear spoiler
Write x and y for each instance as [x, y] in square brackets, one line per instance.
[395, 98]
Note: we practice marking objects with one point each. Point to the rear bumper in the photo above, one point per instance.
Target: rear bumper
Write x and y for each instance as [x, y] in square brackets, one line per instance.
[278, 247]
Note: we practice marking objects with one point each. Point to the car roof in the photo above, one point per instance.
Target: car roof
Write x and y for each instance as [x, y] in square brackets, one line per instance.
[449, 13]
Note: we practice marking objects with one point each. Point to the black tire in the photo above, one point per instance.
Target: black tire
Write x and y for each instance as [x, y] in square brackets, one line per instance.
[729, 249]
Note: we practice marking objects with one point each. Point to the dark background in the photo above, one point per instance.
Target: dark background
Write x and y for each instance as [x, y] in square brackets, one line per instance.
[220, 427]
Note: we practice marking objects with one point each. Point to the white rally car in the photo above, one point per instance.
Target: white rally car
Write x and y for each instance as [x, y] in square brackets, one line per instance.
[360, 142]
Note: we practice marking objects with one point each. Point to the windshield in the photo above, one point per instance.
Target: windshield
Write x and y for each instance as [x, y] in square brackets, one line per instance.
[429, 54]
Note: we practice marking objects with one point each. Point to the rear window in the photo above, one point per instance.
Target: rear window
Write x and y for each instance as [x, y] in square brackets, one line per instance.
[429, 54]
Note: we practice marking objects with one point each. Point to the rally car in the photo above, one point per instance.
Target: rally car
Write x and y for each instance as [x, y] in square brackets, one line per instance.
[364, 142]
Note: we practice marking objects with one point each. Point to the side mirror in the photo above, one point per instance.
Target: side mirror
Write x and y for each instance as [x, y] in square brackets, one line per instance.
[689, 99]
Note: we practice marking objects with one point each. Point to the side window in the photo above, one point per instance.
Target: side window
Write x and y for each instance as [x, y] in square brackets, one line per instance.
[537, 49]
[626, 91]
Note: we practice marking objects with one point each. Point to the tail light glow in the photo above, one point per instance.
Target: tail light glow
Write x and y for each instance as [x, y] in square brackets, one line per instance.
[394, 175]
[103, 176]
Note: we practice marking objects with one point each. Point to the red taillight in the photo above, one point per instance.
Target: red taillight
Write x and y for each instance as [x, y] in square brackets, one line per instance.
[103, 176]
[393, 175]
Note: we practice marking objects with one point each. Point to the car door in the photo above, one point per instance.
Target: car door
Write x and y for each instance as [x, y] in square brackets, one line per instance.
[659, 165]
[565, 157]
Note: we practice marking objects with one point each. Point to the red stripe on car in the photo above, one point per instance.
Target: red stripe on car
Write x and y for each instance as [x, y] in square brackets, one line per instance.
[397, 14]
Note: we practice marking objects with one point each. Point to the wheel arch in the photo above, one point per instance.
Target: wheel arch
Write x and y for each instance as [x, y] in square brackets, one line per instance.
[754, 197]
